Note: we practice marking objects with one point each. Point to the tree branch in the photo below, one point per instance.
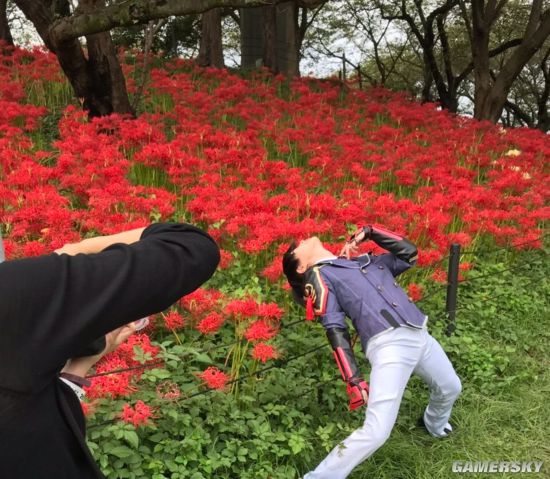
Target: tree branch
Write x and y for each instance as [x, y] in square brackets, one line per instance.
[134, 12]
[519, 113]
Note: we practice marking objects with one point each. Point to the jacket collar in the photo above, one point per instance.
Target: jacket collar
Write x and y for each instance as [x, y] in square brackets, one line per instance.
[357, 262]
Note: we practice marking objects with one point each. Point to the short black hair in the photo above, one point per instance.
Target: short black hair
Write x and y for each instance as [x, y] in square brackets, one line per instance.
[295, 279]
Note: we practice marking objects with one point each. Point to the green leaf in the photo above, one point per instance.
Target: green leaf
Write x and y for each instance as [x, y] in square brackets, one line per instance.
[132, 438]
[121, 451]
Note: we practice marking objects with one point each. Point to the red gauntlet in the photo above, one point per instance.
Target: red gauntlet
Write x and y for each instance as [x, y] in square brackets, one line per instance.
[358, 393]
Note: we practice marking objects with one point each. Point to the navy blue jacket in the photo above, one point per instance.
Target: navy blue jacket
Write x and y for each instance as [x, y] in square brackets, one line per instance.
[365, 290]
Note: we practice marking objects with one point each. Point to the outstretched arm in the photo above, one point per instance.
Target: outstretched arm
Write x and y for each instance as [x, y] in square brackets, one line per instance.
[356, 387]
[52, 306]
[99, 243]
[333, 319]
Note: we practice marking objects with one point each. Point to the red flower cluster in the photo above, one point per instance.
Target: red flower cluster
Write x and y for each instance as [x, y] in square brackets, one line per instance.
[263, 352]
[210, 323]
[257, 171]
[214, 378]
[260, 331]
[110, 385]
[139, 415]
[123, 383]
[241, 308]
[415, 291]
[201, 301]
[173, 320]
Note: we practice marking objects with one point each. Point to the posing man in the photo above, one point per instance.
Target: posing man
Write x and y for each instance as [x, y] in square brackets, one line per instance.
[59, 314]
[392, 331]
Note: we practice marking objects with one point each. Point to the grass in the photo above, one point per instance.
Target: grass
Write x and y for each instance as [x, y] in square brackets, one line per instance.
[508, 427]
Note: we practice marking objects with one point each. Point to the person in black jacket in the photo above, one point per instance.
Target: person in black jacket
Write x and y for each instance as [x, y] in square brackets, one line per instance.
[53, 307]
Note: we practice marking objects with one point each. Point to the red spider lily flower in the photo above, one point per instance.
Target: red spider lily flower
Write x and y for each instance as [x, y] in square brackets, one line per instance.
[463, 239]
[139, 415]
[439, 276]
[173, 320]
[415, 291]
[211, 323]
[214, 378]
[200, 301]
[465, 266]
[11, 249]
[270, 311]
[111, 385]
[34, 248]
[168, 390]
[274, 271]
[226, 259]
[126, 351]
[260, 330]
[263, 352]
[241, 308]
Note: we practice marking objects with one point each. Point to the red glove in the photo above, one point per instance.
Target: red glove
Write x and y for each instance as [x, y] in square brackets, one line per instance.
[358, 392]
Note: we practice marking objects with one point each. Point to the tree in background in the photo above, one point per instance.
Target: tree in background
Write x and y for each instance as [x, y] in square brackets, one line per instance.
[5, 32]
[493, 82]
[177, 36]
[272, 35]
[211, 50]
[428, 28]
[528, 100]
[98, 80]
[491, 54]
[424, 47]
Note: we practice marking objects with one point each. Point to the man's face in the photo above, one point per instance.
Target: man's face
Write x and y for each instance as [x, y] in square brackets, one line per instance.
[304, 252]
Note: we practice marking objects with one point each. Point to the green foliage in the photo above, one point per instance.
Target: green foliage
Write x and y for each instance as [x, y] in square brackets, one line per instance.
[178, 35]
[285, 420]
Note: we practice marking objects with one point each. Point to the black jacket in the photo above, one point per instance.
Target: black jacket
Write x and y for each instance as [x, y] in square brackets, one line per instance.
[51, 308]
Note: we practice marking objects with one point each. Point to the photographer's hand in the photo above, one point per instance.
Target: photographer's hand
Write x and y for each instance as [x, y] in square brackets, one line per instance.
[81, 366]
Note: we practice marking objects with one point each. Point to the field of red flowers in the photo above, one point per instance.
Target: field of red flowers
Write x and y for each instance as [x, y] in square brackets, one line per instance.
[258, 161]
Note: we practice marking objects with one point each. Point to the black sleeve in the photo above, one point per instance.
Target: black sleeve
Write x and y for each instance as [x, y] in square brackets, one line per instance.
[397, 245]
[52, 306]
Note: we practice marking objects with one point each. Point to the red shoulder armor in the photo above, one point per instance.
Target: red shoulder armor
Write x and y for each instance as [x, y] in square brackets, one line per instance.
[316, 289]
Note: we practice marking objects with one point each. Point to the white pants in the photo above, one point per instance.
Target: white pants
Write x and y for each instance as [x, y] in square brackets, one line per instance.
[394, 356]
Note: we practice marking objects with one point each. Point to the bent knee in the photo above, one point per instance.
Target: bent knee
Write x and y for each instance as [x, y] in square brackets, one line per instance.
[453, 388]
[376, 436]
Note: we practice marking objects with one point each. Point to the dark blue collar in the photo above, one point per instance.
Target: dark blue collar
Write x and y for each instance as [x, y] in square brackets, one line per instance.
[357, 262]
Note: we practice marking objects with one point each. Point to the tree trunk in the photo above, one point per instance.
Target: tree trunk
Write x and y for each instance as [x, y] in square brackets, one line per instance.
[270, 38]
[107, 81]
[5, 33]
[490, 96]
[288, 50]
[97, 82]
[211, 50]
[252, 38]
[428, 78]
[543, 119]
[480, 57]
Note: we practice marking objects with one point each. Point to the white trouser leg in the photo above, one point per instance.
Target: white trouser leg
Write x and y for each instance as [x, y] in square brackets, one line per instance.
[437, 371]
[393, 356]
